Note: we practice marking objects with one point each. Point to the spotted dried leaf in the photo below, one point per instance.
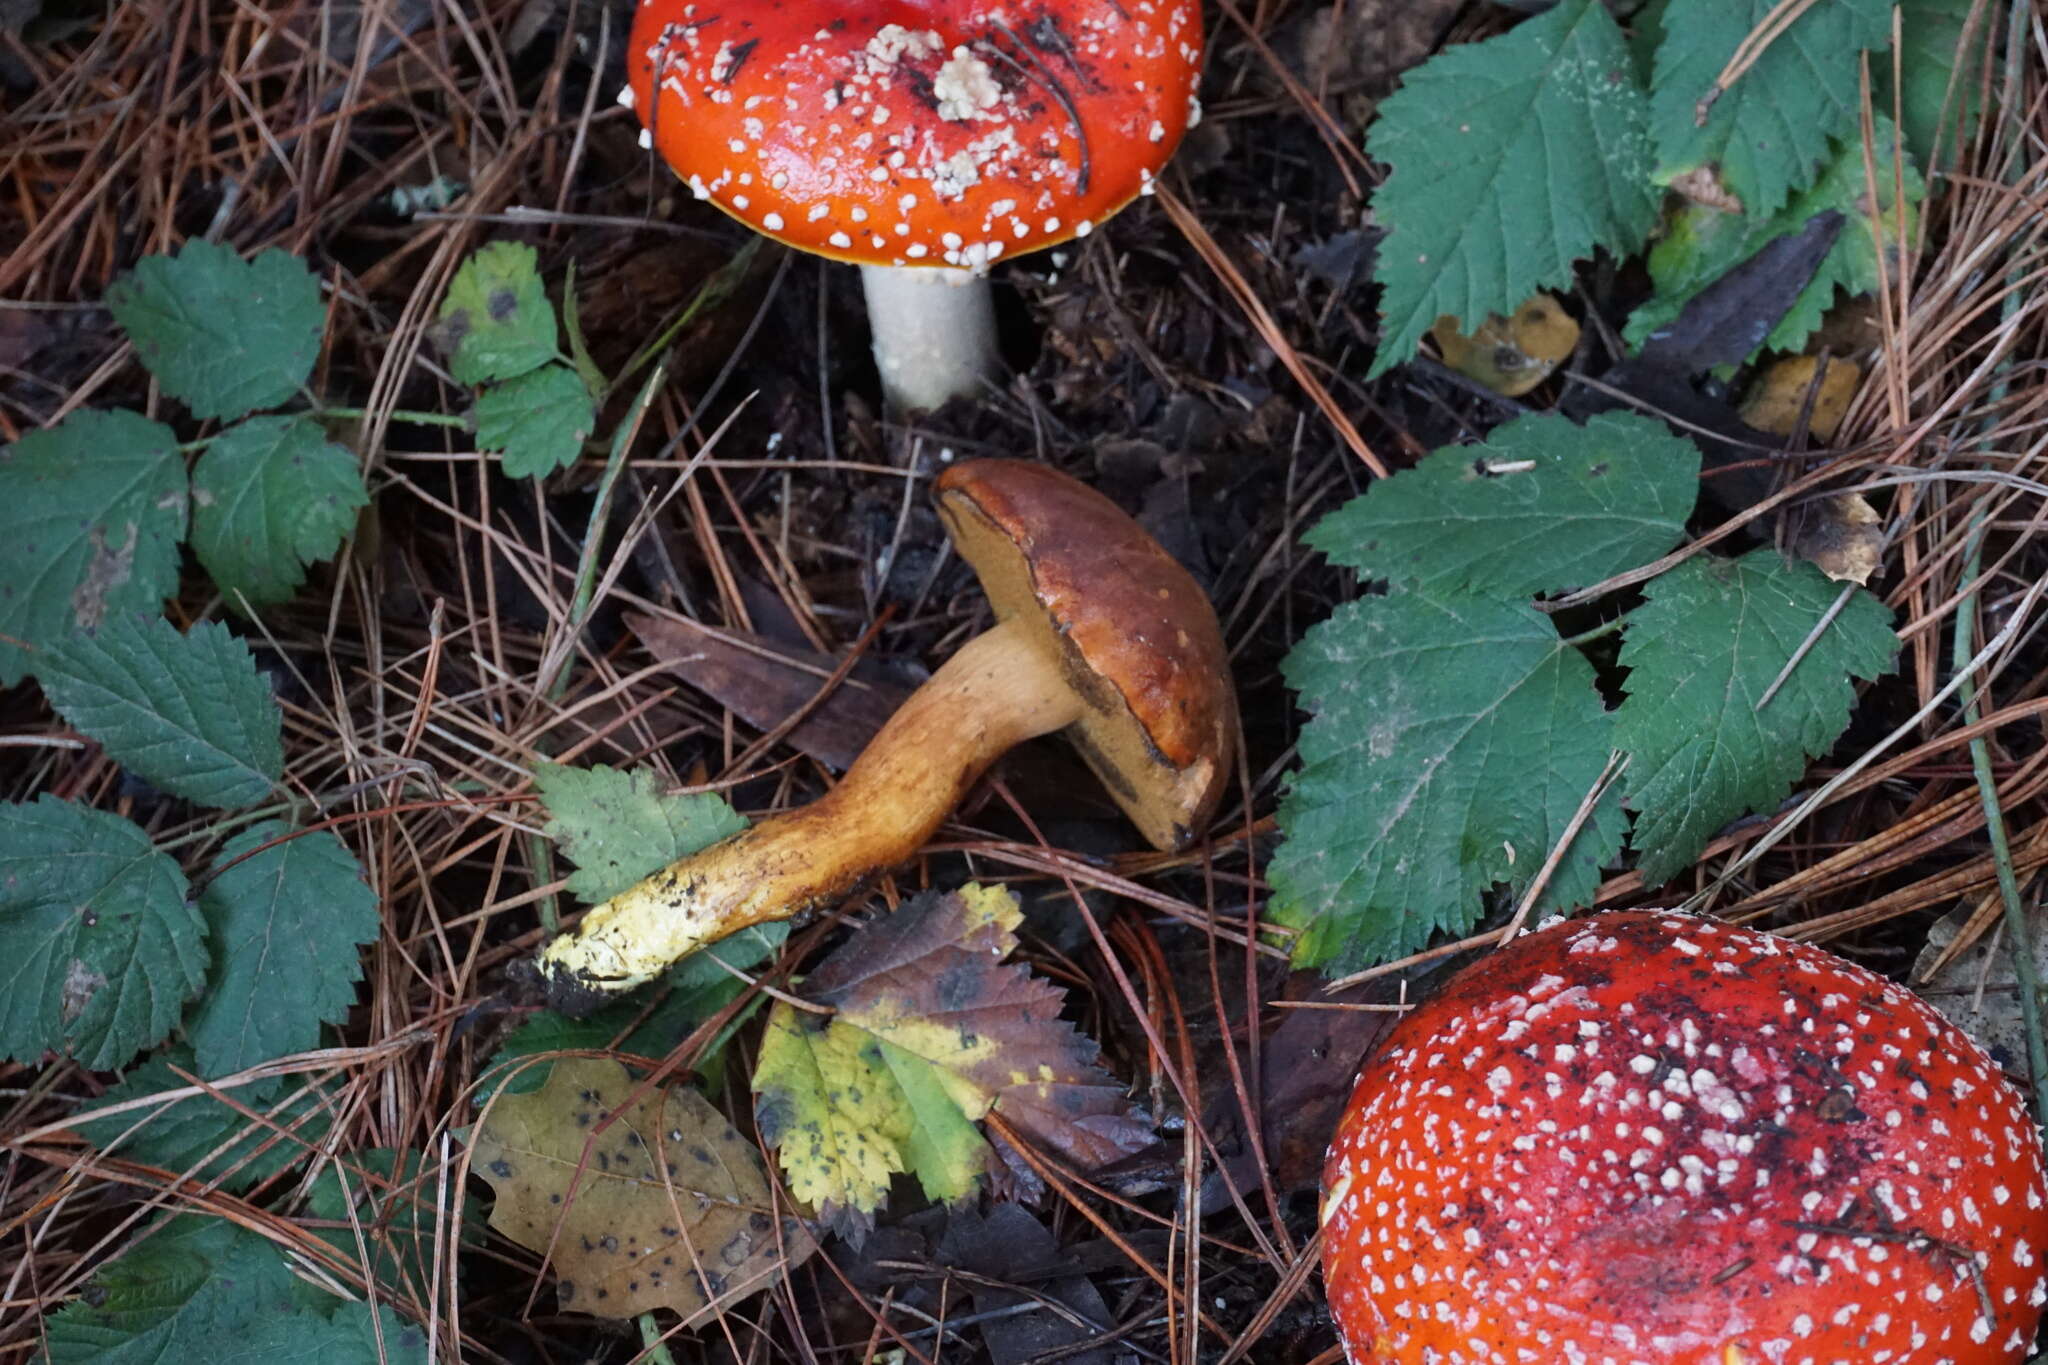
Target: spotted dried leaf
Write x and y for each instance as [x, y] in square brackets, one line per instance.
[930, 1031]
[640, 1198]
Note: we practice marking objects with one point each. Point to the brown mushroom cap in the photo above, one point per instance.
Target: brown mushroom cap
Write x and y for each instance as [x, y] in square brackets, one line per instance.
[1134, 633]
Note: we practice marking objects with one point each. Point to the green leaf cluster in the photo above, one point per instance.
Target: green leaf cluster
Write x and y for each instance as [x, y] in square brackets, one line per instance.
[1454, 734]
[102, 940]
[1514, 158]
[499, 330]
[92, 510]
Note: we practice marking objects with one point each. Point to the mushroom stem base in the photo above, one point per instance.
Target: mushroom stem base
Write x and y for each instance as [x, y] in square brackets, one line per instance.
[934, 333]
[998, 691]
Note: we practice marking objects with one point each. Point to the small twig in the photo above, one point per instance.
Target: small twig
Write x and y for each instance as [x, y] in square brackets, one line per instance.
[1805, 646]
[1773, 27]
[1617, 763]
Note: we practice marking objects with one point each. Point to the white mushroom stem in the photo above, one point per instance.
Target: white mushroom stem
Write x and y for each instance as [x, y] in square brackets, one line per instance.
[934, 331]
[999, 690]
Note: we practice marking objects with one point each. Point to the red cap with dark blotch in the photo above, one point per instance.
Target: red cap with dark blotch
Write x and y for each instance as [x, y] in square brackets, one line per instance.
[915, 132]
[1651, 1139]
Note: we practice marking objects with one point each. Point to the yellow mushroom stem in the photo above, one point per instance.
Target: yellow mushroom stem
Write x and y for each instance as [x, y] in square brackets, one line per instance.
[998, 691]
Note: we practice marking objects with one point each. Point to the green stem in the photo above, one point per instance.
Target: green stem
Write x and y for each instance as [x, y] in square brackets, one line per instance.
[423, 419]
[1598, 632]
[541, 853]
[650, 1337]
[2017, 929]
[600, 512]
[228, 824]
[712, 292]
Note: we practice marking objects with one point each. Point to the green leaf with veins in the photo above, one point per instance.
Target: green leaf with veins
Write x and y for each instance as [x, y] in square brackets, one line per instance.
[1701, 651]
[1542, 505]
[270, 496]
[91, 513]
[1512, 159]
[620, 826]
[181, 1294]
[187, 712]
[99, 949]
[179, 1135]
[539, 420]
[1768, 131]
[1702, 244]
[1451, 739]
[224, 336]
[496, 322]
[351, 1335]
[286, 924]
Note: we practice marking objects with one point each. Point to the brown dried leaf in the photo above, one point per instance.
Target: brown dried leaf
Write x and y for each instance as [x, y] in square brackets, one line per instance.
[1966, 971]
[1703, 186]
[930, 1031]
[1844, 535]
[666, 1207]
[765, 683]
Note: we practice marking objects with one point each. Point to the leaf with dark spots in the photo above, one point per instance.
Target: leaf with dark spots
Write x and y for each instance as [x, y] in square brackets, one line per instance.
[496, 322]
[931, 1030]
[626, 1226]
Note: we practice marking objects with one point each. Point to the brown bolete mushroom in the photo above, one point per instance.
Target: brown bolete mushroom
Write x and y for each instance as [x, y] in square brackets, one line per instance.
[1099, 632]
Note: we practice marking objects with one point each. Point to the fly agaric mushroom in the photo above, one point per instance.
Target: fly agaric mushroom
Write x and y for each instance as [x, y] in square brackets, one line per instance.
[1099, 632]
[918, 139]
[1649, 1139]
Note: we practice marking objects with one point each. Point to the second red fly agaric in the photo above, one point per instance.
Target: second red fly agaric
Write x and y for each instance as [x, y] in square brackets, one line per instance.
[907, 136]
[1650, 1139]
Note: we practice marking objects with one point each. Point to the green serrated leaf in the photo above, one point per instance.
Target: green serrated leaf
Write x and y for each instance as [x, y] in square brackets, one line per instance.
[1703, 243]
[620, 826]
[1512, 158]
[497, 322]
[697, 988]
[1452, 738]
[1771, 128]
[224, 336]
[91, 513]
[183, 1293]
[540, 420]
[1710, 638]
[99, 948]
[352, 1335]
[1541, 505]
[269, 497]
[401, 1206]
[286, 924]
[1941, 59]
[204, 1137]
[188, 712]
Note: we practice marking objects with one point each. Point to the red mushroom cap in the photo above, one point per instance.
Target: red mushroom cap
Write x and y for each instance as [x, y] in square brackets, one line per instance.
[1644, 1138]
[917, 132]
